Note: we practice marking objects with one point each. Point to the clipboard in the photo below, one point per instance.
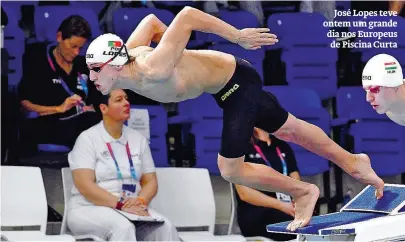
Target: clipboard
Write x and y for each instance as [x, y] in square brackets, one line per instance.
[136, 218]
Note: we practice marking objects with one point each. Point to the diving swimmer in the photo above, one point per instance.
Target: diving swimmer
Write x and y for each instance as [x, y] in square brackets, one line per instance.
[172, 73]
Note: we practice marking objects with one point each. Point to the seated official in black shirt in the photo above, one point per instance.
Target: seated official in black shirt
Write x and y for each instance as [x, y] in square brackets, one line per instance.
[257, 209]
[55, 85]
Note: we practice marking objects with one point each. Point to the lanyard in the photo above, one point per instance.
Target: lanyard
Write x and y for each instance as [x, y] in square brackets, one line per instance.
[283, 163]
[282, 160]
[119, 174]
[67, 89]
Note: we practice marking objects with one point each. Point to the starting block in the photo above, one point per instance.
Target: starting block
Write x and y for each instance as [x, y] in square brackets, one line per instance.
[364, 218]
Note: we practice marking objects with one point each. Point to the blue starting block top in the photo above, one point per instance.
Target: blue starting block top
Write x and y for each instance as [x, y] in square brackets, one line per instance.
[363, 207]
[366, 201]
[324, 221]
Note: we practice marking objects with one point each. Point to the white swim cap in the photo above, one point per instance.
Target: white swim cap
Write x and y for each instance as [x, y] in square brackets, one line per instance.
[105, 47]
[382, 70]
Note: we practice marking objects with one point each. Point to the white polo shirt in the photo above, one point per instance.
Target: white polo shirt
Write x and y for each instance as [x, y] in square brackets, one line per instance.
[91, 151]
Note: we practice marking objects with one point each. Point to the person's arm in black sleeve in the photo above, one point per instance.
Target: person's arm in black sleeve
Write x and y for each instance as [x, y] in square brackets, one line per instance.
[26, 91]
[29, 88]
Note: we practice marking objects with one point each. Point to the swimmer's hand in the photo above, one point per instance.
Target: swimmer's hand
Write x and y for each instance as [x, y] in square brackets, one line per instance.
[254, 38]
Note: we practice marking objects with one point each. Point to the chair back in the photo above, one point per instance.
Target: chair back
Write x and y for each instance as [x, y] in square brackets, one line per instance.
[67, 181]
[23, 198]
[185, 197]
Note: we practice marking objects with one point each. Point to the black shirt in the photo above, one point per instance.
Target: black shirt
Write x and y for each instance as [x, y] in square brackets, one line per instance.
[41, 85]
[251, 215]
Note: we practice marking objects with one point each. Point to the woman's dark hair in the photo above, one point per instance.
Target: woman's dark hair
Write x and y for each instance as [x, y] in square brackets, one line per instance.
[104, 99]
[75, 25]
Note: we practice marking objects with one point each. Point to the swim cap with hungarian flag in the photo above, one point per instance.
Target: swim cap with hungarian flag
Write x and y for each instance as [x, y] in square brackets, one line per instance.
[105, 47]
[382, 70]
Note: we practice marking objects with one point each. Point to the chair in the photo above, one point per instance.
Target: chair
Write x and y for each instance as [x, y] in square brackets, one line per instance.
[312, 67]
[351, 106]
[310, 62]
[292, 30]
[384, 142]
[289, 96]
[23, 204]
[95, 6]
[176, 3]
[14, 44]
[206, 120]
[351, 103]
[239, 19]
[309, 59]
[186, 198]
[48, 148]
[125, 20]
[158, 130]
[48, 18]
[398, 29]
[233, 223]
[67, 180]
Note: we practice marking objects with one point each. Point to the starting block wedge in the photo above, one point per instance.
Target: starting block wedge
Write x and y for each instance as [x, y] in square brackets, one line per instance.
[364, 218]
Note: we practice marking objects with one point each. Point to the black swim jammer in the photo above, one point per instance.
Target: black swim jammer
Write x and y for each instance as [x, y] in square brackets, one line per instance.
[245, 106]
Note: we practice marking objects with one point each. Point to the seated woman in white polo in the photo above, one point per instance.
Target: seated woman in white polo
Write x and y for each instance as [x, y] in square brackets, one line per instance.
[113, 169]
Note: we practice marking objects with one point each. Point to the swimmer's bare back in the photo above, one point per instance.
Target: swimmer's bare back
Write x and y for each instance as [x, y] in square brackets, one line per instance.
[198, 71]
[170, 73]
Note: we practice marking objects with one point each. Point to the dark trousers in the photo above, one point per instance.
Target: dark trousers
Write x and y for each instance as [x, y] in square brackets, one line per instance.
[254, 224]
[50, 130]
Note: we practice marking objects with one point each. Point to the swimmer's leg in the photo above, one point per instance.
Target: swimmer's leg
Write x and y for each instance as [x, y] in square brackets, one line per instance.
[265, 178]
[239, 120]
[274, 119]
[314, 139]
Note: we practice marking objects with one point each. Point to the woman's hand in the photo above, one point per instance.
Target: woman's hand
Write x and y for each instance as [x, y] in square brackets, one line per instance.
[136, 206]
[140, 210]
[134, 201]
[129, 202]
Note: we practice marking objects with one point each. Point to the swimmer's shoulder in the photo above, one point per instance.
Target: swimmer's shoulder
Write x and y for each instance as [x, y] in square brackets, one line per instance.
[140, 51]
[139, 55]
[399, 119]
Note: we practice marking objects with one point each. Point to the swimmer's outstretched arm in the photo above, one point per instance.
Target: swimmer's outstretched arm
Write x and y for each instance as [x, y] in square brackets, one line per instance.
[169, 51]
[148, 30]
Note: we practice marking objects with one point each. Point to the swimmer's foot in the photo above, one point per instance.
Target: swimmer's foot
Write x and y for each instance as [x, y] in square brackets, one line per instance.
[365, 174]
[304, 207]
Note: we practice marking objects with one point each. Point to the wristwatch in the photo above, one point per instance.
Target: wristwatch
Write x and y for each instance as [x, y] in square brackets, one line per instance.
[120, 203]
